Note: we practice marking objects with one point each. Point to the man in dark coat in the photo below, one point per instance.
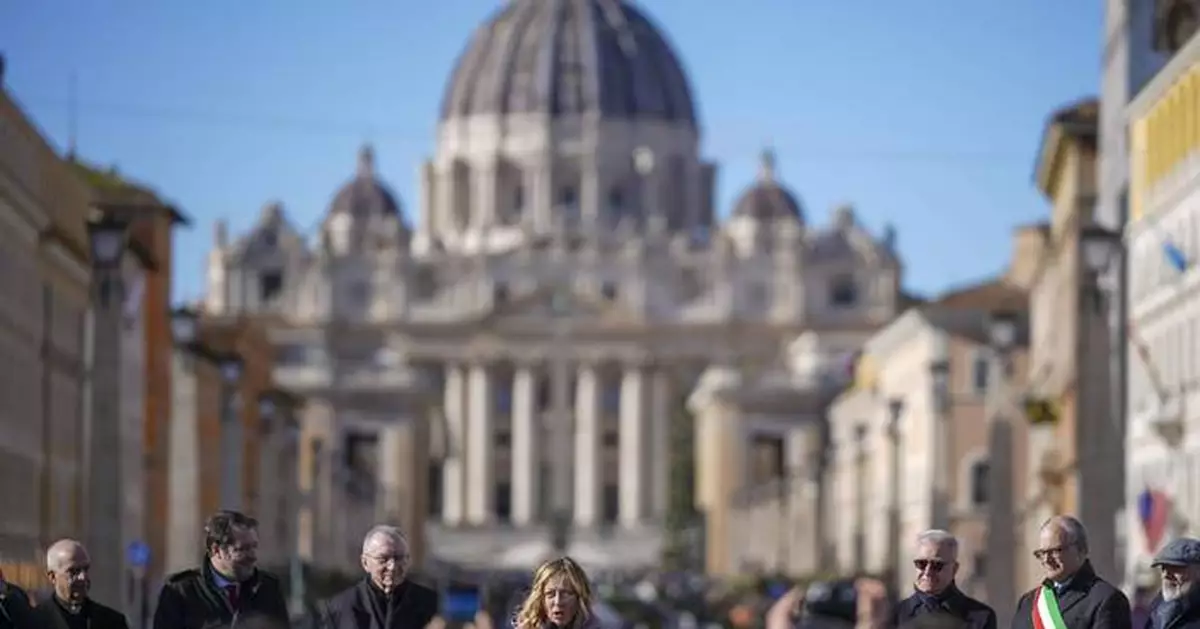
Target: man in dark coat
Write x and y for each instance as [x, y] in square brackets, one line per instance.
[14, 606]
[936, 563]
[385, 598]
[227, 588]
[1071, 588]
[67, 566]
[1178, 604]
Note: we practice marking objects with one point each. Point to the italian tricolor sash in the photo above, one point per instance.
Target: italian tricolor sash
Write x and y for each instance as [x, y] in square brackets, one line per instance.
[1045, 610]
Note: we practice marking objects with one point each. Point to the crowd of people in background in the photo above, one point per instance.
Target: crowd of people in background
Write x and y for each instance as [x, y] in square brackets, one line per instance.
[228, 590]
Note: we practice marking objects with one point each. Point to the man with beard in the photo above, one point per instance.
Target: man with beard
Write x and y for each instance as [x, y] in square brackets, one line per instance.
[67, 566]
[384, 599]
[1071, 595]
[936, 564]
[1178, 604]
[228, 588]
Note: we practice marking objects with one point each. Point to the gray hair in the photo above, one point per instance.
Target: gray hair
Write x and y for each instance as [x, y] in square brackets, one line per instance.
[392, 533]
[1072, 529]
[940, 539]
[56, 550]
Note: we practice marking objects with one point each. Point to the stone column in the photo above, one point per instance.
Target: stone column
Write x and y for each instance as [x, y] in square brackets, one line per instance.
[661, 409]
[634, 471]
[587, 446]
[526, 452]
[454, 468]
[480, 429]
[395, 453]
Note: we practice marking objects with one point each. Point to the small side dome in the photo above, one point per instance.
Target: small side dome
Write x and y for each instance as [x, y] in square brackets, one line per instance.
[767, 199]
[365, 197]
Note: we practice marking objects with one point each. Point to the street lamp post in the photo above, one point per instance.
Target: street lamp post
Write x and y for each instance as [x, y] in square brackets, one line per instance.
[895, 410]
[1100, 379]
[1003, 330]
[285, 426]
[939, 372]
[103, 424]
[231, 432]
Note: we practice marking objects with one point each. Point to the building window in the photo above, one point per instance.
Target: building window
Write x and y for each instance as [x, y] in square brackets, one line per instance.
[270, 285]
[608, 291]
[980, 473]
[616, 199]
[612, 503]
[503, 439]
[435, 489]
[980, 369]
[612, 439]
[843, 292]
[1180, 26]
[567, 196]
[543, 394]
[611, 399]
[503, 497]
[500, 293]
[518, 199]
[503, 397]
[768, 458]
[425, 284]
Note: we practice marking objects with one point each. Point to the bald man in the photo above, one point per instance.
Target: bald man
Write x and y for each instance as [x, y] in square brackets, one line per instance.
[68, 567]
[1072, 594]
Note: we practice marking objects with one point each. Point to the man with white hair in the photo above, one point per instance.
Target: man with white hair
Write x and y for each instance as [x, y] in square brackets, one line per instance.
[1178, 604]
[68, 567]
[936, 594]
[1072, 595]
[385, 598]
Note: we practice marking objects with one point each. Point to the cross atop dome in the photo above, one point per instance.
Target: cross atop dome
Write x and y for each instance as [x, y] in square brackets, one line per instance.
[366, 161]
[766, 164]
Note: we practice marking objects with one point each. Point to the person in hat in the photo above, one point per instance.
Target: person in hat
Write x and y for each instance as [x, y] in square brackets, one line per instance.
[1178, 604]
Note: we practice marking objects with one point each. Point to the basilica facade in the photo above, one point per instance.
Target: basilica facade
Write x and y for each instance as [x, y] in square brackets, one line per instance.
[565, 288]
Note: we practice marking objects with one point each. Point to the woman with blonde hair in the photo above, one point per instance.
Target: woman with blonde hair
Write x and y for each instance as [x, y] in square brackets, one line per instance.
[561, 598]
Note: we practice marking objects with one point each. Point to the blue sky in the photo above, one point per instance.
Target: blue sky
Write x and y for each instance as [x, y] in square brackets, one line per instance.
[924, 113]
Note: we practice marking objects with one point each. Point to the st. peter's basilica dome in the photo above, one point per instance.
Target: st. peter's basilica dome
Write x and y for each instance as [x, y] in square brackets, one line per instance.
[570, 57]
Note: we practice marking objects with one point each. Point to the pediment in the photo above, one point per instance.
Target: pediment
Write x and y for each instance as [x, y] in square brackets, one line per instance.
[546, 306]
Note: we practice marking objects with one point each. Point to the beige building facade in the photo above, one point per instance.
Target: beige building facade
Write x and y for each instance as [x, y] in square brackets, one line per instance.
[44, 280]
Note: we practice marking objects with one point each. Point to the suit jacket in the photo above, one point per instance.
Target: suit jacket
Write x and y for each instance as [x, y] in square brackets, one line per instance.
[952, 602]
[14, 607]
[50, 615]
[351, 608]
[1088, 602]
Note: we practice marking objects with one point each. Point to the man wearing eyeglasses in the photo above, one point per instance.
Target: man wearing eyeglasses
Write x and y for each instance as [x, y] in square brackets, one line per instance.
[936, 564]
[227, 589]
[385, 598]
[1072, 595]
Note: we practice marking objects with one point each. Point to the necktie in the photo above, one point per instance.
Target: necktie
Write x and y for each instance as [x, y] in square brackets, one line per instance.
[232, 592]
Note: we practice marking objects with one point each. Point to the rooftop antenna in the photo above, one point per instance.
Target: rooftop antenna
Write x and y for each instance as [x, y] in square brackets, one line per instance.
[72, 115]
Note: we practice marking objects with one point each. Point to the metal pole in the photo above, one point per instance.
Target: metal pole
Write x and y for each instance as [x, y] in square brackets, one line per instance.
[1001, 536]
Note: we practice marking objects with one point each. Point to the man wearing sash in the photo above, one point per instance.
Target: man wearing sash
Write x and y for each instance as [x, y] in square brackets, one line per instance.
[1178, 605]
[936, 564]
[1071, 596]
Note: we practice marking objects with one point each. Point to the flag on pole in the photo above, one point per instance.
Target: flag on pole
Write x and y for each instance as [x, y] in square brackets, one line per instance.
[1154, 510]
